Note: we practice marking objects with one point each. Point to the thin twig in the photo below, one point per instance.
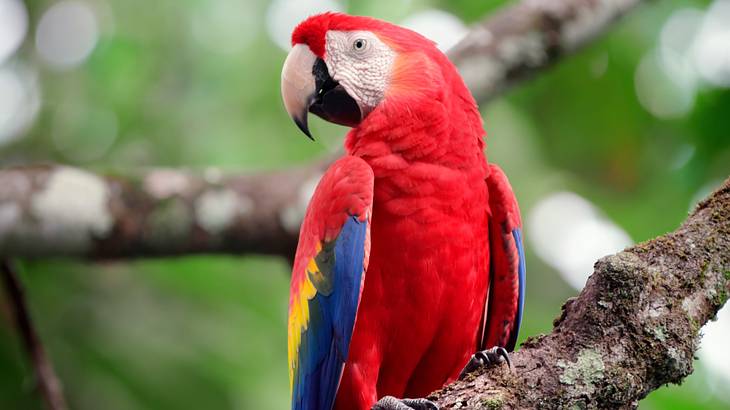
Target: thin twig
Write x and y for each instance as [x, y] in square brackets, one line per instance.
[48, 384]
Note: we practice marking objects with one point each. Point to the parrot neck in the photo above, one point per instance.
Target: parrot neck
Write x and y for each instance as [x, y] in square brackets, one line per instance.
[425, 159]
[426, 149]
[428, 116]
[445, 131]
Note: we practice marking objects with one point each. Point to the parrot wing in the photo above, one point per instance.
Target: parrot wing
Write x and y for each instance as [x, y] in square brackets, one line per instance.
[506, 298]
[327, 277]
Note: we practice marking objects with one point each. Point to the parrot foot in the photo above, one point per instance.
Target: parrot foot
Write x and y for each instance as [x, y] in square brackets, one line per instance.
[486, 358]
[391, 403]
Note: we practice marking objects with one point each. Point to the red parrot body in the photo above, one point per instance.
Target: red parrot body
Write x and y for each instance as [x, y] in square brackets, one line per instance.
[427, 279]
[442, 225]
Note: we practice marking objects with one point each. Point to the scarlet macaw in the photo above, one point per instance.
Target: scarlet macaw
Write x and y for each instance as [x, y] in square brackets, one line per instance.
[410, 254]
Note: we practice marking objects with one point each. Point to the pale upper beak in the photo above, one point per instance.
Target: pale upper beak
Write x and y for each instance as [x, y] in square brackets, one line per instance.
[306, 86]
[298, 85]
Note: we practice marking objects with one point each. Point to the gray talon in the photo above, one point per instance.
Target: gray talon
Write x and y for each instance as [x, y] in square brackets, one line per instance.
[486, 358]
[392, 403]
[420, 404]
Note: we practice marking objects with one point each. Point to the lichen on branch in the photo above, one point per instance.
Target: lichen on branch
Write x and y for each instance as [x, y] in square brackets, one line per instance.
[50, 211]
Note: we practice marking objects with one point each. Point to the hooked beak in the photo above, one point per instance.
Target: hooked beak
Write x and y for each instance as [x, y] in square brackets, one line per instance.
[306, 86]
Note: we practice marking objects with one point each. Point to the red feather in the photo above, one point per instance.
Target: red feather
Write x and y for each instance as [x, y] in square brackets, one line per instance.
[313, 31]
[420, 316]
[426, 287]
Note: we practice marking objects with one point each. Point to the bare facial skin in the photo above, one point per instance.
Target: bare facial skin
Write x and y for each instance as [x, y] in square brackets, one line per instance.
[361, 63]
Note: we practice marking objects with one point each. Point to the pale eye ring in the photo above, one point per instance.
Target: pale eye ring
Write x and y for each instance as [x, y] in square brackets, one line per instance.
[360, 44]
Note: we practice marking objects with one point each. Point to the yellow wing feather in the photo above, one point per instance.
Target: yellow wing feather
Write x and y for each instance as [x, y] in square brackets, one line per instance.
[299, 315]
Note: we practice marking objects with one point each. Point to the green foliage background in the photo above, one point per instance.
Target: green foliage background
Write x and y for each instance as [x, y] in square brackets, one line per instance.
[210, 331]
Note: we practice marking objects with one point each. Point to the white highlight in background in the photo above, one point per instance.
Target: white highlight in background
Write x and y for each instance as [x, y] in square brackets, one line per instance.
[664, 92]
[13, 26]
[443, 28]
[711, 51]
[715, 355]
[20, 100]
[284, 15]
[67, 34]
[693, 50]
[570, 234]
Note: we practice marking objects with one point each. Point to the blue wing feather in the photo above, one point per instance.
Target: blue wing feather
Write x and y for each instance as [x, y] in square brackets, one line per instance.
[325, 343]
[517, 234]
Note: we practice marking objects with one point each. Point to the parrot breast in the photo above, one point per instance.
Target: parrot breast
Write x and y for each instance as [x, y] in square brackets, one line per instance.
[426, 286]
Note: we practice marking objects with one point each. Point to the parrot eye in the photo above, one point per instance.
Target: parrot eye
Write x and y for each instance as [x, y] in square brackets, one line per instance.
[360, 44]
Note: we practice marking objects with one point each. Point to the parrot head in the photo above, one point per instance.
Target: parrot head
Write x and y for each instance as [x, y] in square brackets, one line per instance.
[341, 68]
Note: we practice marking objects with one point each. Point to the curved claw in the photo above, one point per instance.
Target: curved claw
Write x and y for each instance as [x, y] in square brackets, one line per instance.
[486, 358]
[392, 403]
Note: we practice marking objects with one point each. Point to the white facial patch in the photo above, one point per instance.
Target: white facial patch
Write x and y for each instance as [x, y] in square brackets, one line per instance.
[361, 63]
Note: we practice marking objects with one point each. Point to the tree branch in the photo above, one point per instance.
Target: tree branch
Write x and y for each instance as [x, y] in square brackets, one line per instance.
[633, 328]
[47, 383]
[48, 211]
[60, 211]
[528, 37]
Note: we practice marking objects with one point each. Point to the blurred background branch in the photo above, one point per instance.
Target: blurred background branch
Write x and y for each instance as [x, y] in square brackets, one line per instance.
[64, 211]
[59, 211]
[525, 38]
[45, 379]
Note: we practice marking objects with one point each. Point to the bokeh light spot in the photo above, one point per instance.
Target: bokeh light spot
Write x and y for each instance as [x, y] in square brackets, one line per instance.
[715, 355]
[13, 27]
[711, 49]
[678, 33]
[570, 234]
[284, 15]
[443, 28]
[66, 34]
[19, 100]
[661, 93]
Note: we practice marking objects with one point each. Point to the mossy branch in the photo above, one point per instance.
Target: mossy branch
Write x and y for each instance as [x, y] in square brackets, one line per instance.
[633, 328]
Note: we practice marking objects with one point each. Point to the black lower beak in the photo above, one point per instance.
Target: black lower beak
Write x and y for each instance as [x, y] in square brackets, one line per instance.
[302, 124]
[331, 102]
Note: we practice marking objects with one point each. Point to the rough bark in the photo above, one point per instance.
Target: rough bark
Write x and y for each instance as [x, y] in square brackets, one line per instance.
[633, 328]
[60, 211]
